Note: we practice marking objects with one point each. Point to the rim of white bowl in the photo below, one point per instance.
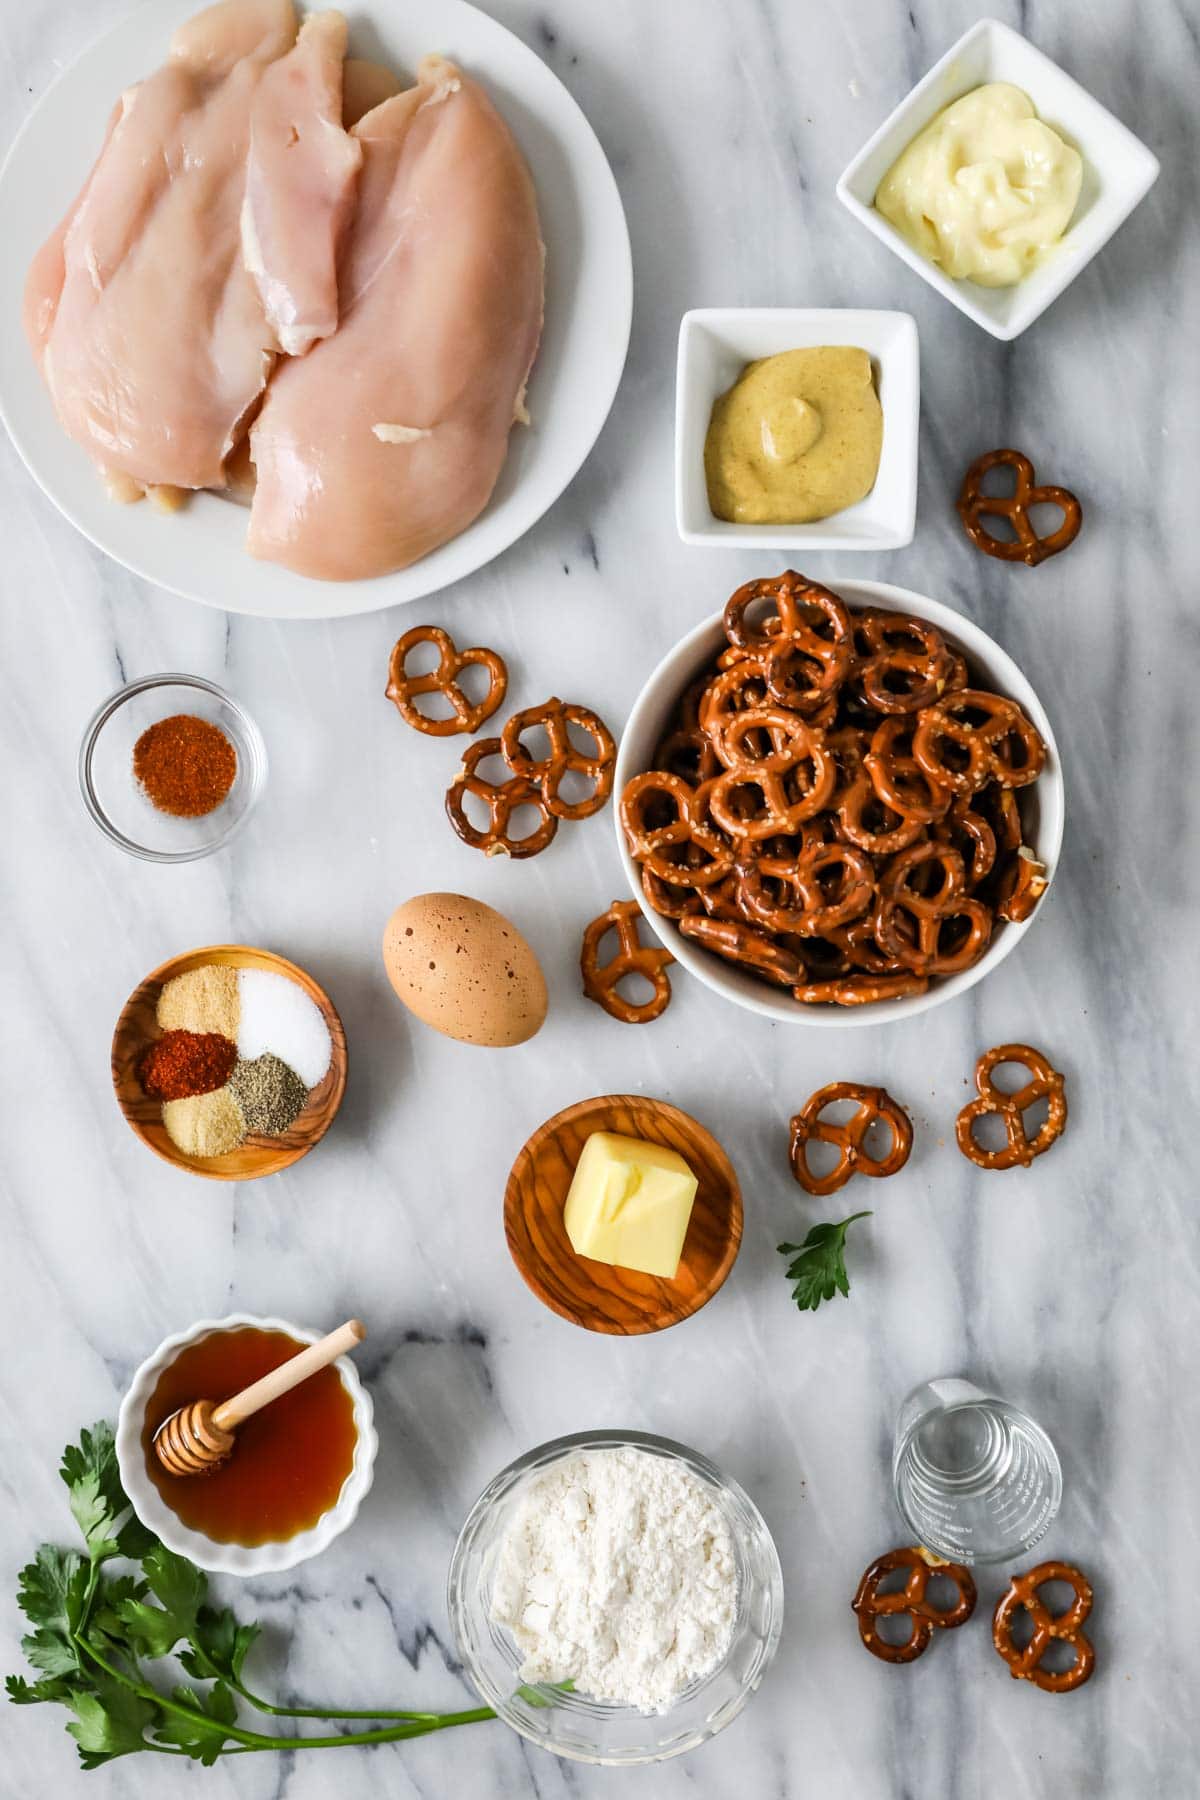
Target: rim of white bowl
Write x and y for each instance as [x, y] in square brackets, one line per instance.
[205, 1552]
[648, 717]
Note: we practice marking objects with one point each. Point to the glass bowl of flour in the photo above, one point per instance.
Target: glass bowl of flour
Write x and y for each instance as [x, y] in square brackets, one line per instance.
[615, 1597]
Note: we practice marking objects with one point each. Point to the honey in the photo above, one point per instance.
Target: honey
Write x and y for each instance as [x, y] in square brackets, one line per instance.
[289, 1461]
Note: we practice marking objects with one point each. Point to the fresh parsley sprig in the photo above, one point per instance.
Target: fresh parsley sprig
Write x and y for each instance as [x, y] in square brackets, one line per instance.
[819, 1266]
[93, 1630]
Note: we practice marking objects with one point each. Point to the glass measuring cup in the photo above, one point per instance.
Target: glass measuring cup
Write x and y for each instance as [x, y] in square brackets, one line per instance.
[975, 1479]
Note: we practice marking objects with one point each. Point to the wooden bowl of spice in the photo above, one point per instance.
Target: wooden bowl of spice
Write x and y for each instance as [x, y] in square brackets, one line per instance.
[229, 1062]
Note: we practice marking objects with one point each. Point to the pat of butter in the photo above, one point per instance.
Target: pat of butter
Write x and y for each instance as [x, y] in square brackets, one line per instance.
[629, 1204]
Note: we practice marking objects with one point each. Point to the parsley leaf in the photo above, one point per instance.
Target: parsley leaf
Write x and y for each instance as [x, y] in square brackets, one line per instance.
[150, 1631]
[99, 1504]
[179, 1584]
[202, 1735]
[155, 1630]
[104, 1620]
[30, 1693]
[219, 1645]
[111, 1720]
[819, 1269]
[51, 1592]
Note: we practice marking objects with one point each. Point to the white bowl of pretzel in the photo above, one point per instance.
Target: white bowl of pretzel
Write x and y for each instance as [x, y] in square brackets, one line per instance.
[838, 808]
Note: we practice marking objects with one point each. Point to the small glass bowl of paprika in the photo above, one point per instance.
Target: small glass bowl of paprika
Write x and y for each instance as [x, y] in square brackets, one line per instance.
[171, 767]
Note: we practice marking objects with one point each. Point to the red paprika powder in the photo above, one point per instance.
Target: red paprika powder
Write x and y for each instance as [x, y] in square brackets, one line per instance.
[185, 765]
[183, 1063]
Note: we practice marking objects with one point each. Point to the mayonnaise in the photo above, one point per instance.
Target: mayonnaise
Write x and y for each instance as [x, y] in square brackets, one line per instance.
[986, 190]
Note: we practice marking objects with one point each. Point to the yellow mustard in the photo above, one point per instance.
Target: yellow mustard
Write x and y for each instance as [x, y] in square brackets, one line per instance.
[987, 190]
[797, 437]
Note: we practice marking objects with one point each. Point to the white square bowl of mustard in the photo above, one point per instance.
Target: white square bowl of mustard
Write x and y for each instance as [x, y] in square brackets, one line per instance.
[1117, 171]
[722, 353]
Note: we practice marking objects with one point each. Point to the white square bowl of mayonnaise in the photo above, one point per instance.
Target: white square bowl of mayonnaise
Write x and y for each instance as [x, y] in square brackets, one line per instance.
[1118, 170]
[715, 345]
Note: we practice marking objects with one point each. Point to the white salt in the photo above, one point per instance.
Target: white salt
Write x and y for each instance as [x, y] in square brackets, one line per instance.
[278, 1016]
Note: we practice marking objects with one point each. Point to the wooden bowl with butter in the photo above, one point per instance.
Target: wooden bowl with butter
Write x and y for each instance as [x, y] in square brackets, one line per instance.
[597, 1295]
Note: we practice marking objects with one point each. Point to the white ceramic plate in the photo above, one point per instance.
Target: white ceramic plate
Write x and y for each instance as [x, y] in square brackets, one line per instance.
[199, 552]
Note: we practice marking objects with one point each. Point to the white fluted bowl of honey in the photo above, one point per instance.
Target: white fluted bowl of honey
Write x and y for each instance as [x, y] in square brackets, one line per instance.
[299, 1470]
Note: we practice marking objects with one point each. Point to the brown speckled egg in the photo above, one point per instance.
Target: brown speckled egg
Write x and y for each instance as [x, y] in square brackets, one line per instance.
[462, 968]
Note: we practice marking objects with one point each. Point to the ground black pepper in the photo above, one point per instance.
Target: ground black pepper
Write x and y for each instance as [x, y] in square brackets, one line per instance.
[270, 1094]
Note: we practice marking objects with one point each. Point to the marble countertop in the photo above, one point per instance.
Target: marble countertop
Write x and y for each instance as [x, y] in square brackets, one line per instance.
[1071, 1289]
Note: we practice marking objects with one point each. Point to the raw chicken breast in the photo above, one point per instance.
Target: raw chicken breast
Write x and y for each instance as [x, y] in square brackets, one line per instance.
[387, 438]
[148, 328]
[300, 180]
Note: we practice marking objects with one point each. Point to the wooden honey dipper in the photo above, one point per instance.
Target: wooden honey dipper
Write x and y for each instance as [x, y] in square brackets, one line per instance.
[198, 1438]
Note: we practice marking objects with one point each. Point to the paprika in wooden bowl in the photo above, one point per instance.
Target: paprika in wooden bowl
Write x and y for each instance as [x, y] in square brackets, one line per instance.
[263, 1095]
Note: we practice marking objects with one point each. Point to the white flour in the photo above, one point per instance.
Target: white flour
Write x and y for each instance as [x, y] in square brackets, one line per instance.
[617, 1572]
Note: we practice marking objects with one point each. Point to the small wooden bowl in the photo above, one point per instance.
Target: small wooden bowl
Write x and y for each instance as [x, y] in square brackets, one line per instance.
[137, 1027]
[619, 1301]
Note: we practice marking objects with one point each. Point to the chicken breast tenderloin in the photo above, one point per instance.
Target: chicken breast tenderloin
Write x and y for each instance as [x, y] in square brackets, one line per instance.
[148, 328]
[300, 180]
[387, 438]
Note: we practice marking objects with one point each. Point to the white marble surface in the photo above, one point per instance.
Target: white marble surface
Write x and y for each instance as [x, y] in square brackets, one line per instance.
[1072, 1289]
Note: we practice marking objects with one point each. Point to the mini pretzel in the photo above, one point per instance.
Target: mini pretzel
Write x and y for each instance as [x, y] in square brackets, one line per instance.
[467, 715]
[872, 1103]
[922, 898]
[759, 739]
[1045, 1084]
[869, 1604]
[897, 777]
[833, 884]
[1027, 881]
[681, 848]
[903, 664]
[502, 800]
[798, 608]
[632, 958]
[687, 752]
[857, 940]
[861, 990]
[999, 806]
[720, 900]
[743, 944]
[735, 689]
[809, 653]
[971, 738]
[869, 822]
[973, 506]
[789, 795]
[968, 832]
[670, 902]
[1066, 1627]
[548, 771]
